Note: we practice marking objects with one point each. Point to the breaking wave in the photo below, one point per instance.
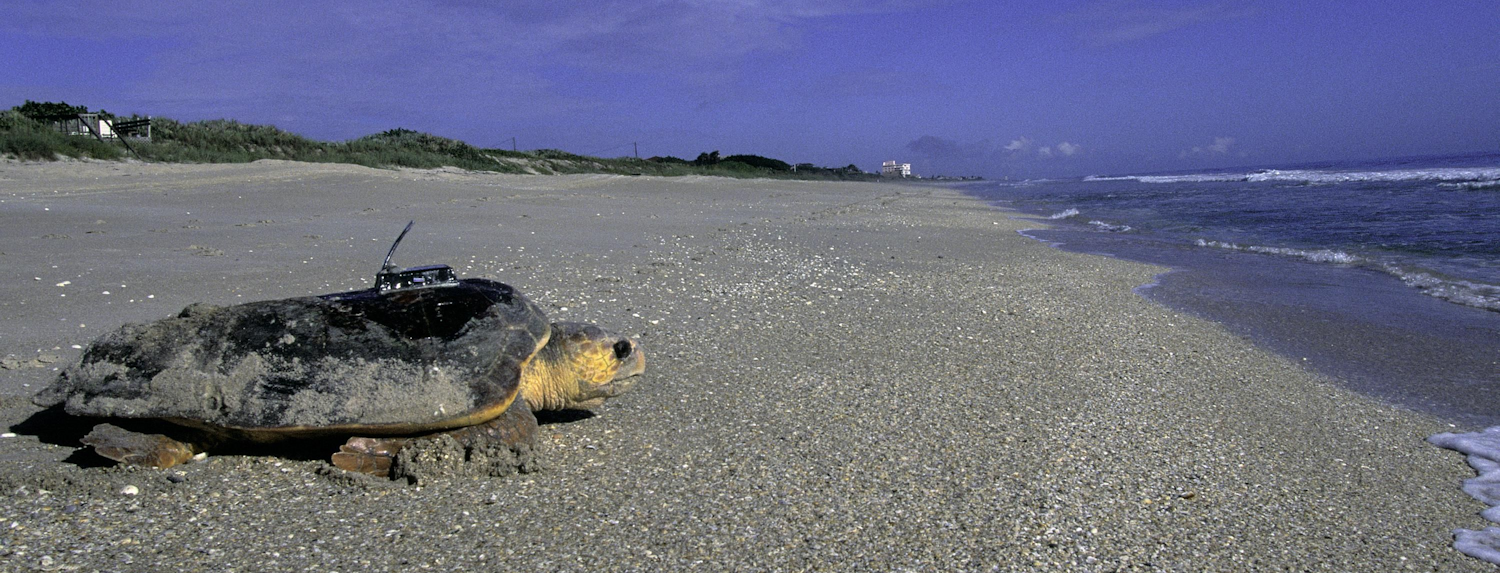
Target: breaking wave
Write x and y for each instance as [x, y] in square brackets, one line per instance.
[1110, 228]
[1467, 177]
[1483, 450]
[1314, 255]
[1473, 185]
[1467, 293]
[1064, 214]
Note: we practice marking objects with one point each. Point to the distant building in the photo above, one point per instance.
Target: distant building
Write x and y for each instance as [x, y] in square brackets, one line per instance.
[87, 124]
[97, 126]
[893, 169]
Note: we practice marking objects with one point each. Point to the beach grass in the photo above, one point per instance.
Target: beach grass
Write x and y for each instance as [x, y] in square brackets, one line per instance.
[228, 141]
[28, 139]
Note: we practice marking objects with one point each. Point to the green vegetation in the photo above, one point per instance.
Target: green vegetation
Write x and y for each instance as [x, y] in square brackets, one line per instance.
[27, 132]
[46, 110]
[757, 166]
[27, 138]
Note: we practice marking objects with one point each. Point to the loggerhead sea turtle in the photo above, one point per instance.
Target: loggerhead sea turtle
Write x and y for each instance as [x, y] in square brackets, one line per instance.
[420, 353]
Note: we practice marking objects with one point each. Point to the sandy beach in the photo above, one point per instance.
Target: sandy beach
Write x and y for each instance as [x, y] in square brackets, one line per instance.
[841, 376]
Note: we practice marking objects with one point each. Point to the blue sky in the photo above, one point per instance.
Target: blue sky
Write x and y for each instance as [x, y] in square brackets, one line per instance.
[1020, 89]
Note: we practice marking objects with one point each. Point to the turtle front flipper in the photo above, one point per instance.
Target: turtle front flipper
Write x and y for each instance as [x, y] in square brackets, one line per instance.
[137, 449]
[368, 455]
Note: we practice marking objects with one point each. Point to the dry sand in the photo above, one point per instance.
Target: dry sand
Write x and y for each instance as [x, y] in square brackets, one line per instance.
[841, 376]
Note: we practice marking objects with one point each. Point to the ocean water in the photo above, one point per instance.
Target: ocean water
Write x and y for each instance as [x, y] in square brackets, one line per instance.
[1433, 222]
[1384, 275]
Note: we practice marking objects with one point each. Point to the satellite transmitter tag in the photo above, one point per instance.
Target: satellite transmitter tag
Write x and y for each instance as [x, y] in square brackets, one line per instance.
[391, 279]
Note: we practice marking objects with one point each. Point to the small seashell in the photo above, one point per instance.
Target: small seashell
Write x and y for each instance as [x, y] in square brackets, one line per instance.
[130, 490]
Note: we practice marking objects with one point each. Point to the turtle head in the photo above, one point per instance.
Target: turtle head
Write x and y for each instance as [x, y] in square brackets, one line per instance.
[580, 367]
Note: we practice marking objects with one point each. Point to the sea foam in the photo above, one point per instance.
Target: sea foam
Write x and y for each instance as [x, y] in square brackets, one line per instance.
[1468, 177]
[1110, 228]
[1483, 450]
[1314, 255]
[1467, 293]
[1473, 185]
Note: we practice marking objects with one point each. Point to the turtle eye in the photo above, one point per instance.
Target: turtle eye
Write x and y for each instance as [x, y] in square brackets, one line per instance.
[622, 349]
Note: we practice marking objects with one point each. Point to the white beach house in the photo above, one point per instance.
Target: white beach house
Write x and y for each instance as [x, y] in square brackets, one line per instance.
[893, 169]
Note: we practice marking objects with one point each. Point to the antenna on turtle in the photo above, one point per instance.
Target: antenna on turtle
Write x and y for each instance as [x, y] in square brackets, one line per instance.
[387, 269]
[392, 277]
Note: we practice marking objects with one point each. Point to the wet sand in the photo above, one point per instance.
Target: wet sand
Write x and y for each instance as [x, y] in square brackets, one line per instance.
[840, 376]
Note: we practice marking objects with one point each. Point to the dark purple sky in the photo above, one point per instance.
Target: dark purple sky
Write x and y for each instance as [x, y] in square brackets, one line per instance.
[1022, 89]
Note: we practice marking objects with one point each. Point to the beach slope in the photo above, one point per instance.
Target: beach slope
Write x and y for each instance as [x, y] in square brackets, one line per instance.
[840, 376]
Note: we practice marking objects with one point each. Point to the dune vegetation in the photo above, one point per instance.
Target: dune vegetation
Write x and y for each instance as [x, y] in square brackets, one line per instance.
[29, 132]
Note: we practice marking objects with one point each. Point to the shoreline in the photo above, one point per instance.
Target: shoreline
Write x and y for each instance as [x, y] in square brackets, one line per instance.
[839, 373]
[1399, 345]
[1404, 324]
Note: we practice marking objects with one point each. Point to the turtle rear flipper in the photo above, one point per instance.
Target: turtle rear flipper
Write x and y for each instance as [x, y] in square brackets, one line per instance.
[368, 455]
[137, 449]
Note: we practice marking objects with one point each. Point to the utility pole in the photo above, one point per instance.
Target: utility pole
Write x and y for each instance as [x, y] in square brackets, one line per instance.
[512, 144]
[637, 149]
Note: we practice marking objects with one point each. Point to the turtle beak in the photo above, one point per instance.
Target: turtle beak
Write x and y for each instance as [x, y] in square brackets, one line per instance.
[632, 360]
[632, 364]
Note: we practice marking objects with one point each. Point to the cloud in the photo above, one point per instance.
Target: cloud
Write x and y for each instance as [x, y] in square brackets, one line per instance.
[1016, 157]
[351, 68]
[934, 147]
[871, 82]
[1018, 150]
[1059, 151]
[1110, 22]
[1220, 146]
[635, 33]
